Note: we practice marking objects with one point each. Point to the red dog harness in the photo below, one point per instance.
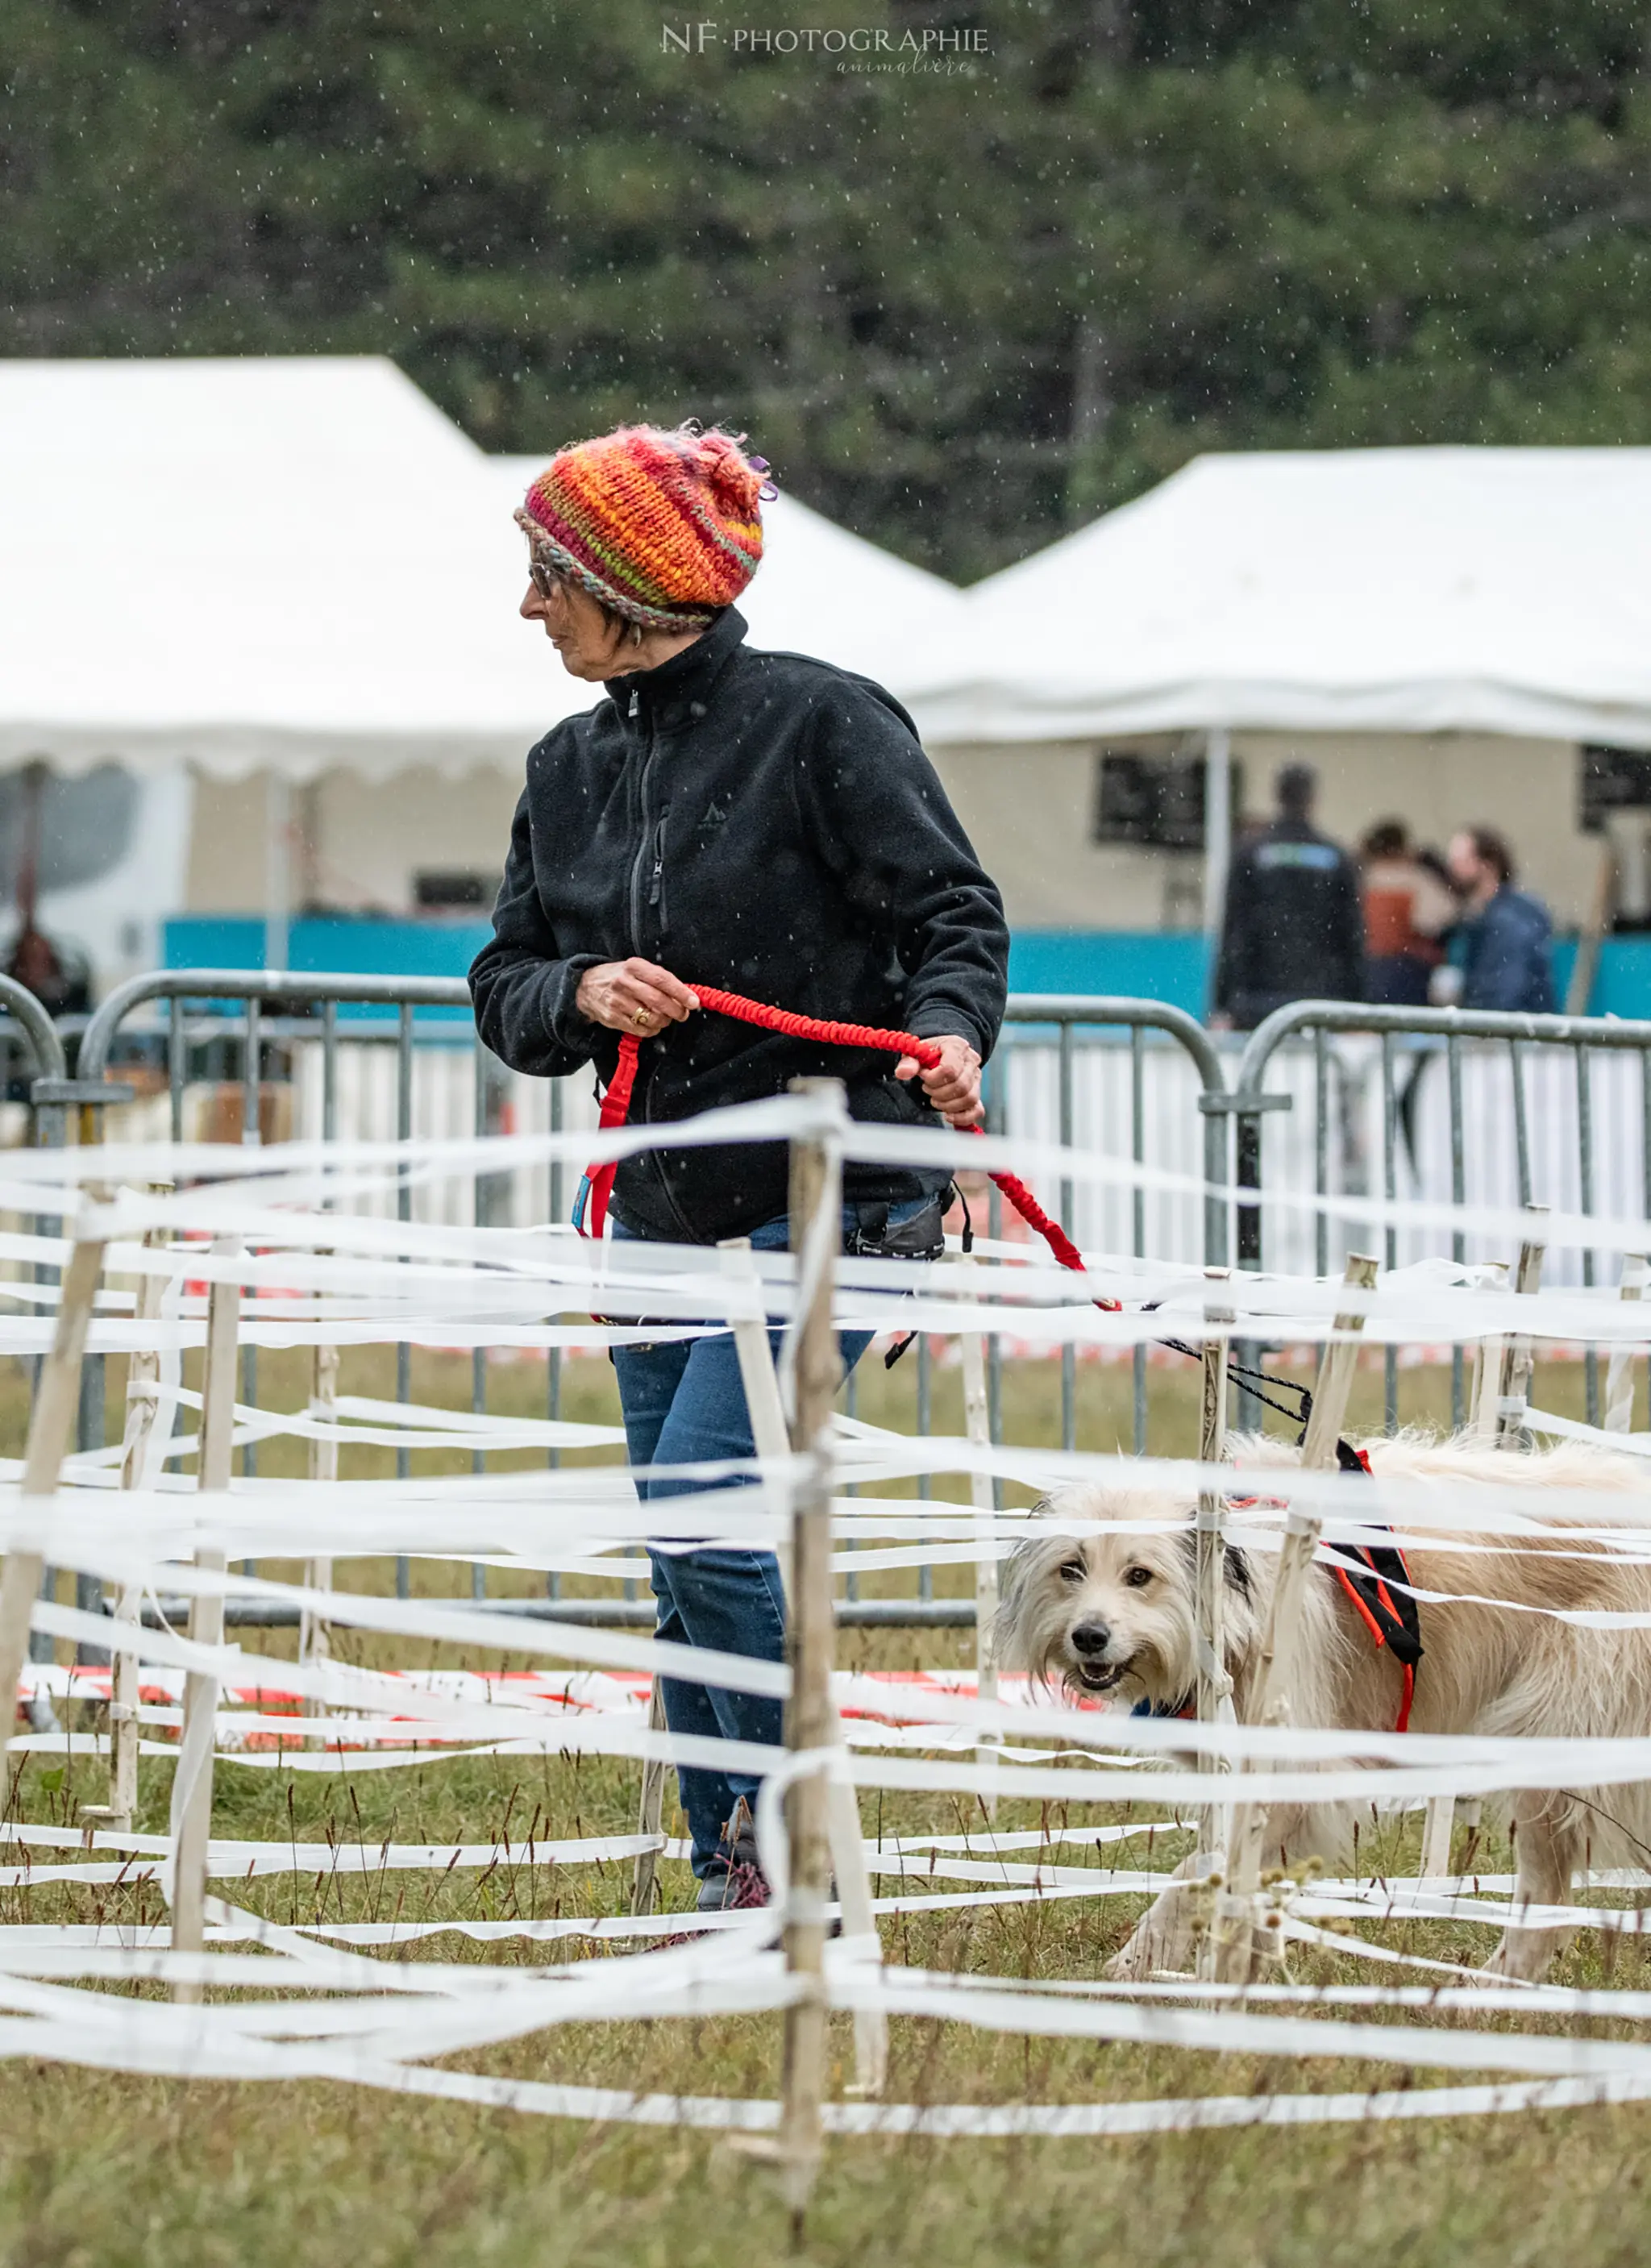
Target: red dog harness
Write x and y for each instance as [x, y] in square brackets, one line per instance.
[1389, 1613]
[596, 1188]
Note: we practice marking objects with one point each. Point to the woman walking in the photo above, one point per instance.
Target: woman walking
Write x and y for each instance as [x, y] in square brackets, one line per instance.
[761, 822]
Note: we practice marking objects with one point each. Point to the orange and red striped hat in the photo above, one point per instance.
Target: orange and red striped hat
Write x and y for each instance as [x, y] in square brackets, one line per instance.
[664, 527]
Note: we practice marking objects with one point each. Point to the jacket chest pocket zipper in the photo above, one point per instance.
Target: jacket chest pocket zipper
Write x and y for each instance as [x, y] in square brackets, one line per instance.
[656, 884]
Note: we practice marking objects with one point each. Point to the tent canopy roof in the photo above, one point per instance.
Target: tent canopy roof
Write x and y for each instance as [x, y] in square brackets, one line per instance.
[1397, 590]
[299, 562]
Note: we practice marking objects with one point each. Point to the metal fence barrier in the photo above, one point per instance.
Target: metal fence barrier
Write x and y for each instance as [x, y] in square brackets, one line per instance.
[1065, 1023]
[269, 1002]
[1138, 1056]
[44, 1069]
[1406, 1042]
[237, 1021]
[31, 1058]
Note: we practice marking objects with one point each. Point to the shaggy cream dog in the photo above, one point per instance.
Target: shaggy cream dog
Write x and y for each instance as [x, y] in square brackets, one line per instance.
[1115, 1614]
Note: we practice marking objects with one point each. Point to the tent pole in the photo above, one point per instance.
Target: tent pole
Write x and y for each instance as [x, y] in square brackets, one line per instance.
[1218, 836]
[278, 869]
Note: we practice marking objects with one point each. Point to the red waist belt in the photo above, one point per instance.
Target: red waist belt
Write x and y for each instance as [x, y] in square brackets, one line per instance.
[597, 1186]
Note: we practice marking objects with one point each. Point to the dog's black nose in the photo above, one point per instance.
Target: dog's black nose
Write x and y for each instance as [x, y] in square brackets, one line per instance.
[1091, 1638]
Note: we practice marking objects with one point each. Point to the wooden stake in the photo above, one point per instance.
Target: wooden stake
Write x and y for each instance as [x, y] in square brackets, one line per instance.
[848, 1847]
[316, 1637]
[1213, 1684]
[1271, 1692]
[769, 1435]
[811, 1723]
[192, 1806]
[1619, 1374]
[1212, 1689]
[977, 1424]
[51, 1429]
[1437, 1822]
[854, 1895]
[143, 1407]
[1517, 1362]
[650, 1810]
[1487, 1369]
[1501, 1396]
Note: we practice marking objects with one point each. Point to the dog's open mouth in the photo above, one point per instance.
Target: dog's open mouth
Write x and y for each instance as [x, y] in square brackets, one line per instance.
[1099, 1677]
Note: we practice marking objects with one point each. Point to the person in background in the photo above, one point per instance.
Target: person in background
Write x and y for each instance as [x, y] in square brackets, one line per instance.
[1294, 926]
[1408, 906]
[1498, 955]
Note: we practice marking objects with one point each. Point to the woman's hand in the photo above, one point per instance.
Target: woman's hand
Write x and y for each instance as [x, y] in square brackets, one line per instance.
[953, 1085]
[634, 996]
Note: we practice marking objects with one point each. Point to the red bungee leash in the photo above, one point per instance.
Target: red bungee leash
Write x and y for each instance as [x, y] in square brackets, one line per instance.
[1390, 1618]
[597, 1186]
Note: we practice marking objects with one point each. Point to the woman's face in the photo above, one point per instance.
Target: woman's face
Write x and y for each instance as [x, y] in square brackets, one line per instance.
[588, 641]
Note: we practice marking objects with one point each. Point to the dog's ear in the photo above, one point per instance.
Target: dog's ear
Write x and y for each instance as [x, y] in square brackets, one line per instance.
[1007, 1637]
[1236, 1567]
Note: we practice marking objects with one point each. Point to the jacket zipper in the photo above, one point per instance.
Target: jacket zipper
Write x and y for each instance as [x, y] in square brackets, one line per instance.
[656, 887]
[640, 862]
[652, 839]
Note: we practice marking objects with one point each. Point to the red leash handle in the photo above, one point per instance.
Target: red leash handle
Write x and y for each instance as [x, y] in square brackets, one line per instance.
[811, 1028]
[597, 1184]
[616, 1104]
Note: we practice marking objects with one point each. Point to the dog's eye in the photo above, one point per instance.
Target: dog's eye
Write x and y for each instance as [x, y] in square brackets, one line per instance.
[1137, 1578]
[1072, 1571]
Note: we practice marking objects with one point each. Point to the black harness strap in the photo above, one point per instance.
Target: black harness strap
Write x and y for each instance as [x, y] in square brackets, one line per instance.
[1394, 1611]
[1297, 1417]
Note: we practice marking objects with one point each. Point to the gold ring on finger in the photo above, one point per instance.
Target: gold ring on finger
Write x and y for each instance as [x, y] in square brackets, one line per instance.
[642, 1020]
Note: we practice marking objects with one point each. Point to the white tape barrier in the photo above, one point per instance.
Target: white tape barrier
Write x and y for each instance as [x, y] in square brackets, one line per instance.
[398, 1282]
[470, 1310]
[315, 1172]
[1421, 1765]
[468, 2008]
[320, 1175]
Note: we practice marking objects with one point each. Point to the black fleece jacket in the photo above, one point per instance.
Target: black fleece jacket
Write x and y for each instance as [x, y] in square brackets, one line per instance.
[764, 824]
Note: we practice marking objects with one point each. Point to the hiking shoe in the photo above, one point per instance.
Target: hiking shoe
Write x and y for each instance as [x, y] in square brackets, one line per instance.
[735, 1880]
[729, 1889]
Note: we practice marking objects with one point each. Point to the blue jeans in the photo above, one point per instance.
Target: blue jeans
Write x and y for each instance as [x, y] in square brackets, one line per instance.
[684, 1403]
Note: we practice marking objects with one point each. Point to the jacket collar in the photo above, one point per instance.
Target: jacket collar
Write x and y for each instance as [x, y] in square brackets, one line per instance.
[678, 692]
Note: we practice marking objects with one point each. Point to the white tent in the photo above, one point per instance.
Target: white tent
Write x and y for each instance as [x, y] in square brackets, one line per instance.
[1403, 589]
[258, 564]
[296, 565]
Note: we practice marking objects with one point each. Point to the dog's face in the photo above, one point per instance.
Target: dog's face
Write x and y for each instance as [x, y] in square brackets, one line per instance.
[1115, 1614]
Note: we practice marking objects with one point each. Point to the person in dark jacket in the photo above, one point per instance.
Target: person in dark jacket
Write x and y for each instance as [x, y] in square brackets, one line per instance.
[1295, 922]
[760, 822]
[1499, 949]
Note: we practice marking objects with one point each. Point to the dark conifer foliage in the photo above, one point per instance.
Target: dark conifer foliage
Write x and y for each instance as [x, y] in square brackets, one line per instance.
[962, 310]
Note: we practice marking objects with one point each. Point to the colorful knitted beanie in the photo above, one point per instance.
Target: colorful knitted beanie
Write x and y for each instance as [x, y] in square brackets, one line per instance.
[665, 527]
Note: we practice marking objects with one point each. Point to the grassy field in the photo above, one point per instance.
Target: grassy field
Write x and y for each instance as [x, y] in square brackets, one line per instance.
[98, 2168]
